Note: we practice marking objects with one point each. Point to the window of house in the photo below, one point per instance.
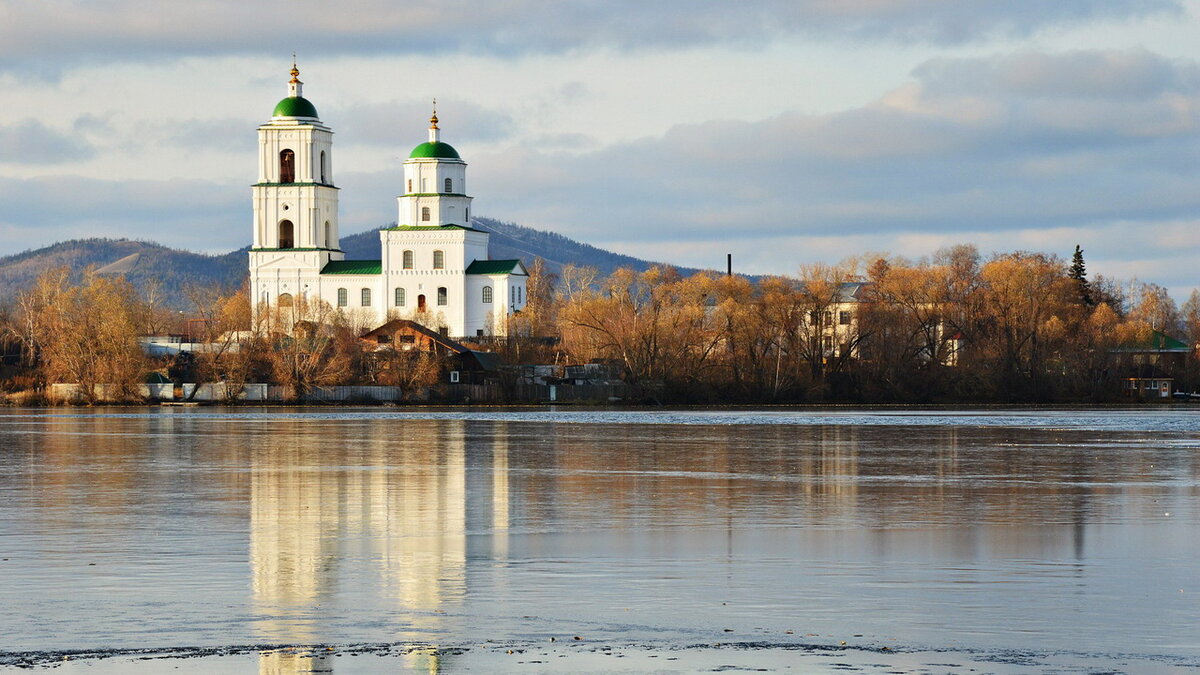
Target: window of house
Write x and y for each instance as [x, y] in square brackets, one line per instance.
[323, 166]
[400, 299]
[286, 234]
[408, 339]
[407, 260]
[287, 167]
[441, 296]
[439, 260]
[343, 297]
[410, 186]
[478, 332]
[828, 318]
[366, 297]
[844, 318]
[285, 300]
[520, 293]
[814, 317]
[487, 294]
[424, 214]
[449, 185]
[467, 215]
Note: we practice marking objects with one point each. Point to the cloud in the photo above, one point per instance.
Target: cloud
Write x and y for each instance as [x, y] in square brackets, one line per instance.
[943, 157]
[376, 123]
[68, 32]
[194, 214]
[31, 142]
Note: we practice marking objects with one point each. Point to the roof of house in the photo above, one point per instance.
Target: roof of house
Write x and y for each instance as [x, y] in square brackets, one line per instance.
[496, 267]
[1157, 342]
[395, 325]
[353, 267]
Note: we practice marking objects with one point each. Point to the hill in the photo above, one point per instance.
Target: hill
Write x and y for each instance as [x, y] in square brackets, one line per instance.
[175, 270]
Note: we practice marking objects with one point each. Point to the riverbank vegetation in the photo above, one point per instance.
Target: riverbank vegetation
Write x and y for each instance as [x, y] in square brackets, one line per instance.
[955, 327]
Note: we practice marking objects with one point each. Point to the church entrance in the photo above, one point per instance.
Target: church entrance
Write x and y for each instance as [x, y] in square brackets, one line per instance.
[421, 303]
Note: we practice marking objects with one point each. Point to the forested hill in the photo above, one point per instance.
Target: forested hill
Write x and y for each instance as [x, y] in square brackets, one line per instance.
[175, 270]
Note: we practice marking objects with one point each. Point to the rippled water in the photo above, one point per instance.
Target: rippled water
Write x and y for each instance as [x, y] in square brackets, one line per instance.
[1059, 531]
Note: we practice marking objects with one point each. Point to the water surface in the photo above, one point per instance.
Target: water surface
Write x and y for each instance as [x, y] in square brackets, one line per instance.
[1064, 534]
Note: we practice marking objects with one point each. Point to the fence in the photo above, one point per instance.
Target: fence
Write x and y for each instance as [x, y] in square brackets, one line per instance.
[535, 393]
[222, 391]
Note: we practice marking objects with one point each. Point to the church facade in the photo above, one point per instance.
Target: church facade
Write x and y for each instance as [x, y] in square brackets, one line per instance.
[433, 266]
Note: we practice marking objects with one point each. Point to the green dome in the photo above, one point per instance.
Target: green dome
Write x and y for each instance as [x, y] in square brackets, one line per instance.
[295, 106]
[435, 150]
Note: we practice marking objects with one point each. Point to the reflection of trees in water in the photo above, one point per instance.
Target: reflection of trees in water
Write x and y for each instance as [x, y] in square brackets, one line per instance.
[379, 509]
[873, 476]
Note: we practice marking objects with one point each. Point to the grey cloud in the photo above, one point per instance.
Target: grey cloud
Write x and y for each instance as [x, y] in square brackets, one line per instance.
[193, 214]
[31, 142]
[66, 32]
[393, 123]
[920, 160]
[1084, 74]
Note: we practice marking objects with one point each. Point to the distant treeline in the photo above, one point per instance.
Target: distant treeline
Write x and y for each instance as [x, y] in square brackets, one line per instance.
[1015, 327]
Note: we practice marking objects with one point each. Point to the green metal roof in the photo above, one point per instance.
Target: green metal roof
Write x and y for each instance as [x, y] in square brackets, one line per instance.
[296, 106]
[1157, 342]
[417, 228]
[353, 267]
[494, 267]
[435, 150]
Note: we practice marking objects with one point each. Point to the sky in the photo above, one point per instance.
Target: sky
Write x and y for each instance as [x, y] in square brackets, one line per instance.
[784, 132]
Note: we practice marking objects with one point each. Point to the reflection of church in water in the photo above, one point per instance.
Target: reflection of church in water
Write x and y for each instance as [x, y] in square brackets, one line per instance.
[379, 525]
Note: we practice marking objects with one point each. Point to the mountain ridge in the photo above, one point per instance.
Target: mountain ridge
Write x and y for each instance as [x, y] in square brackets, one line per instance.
[174, 270]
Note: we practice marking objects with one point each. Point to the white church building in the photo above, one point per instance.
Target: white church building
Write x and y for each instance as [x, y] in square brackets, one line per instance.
[433, 267]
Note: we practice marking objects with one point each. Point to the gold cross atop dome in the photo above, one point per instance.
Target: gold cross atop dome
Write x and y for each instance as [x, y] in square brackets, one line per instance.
[433, 120]
[295, 70]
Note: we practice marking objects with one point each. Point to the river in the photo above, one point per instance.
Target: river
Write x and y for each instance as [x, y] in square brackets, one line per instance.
[281, 540]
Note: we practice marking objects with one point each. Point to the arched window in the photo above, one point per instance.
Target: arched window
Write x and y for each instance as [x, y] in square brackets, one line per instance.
[343, 297]
[467, 215]
[441, 296]
[449, 185]
[410, 186]
[400, 297]
[286, 234]
[366, 297]
[487, 294]
[323, 167]
[439, 260]
[287, 167]
[328, 235]
[421, 303]
[407, 260]
[285, 300]
[424, 214]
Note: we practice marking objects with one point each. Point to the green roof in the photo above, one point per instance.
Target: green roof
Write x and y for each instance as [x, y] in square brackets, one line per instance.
[353, 267]
[1157, 342]
[494, 267]
[434, 150]
[417, 228]
[295, 106]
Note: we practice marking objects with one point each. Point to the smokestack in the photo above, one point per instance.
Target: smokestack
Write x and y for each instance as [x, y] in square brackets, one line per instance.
[728, 264]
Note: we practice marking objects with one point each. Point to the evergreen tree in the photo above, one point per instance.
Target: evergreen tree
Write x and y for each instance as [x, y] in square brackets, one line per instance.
[1079, 274]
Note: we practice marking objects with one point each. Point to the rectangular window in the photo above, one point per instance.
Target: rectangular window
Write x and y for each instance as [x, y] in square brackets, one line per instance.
[366, 297]
[343, 297]
[407, 339]
[441, 296]
[844, 318]
[400, 297]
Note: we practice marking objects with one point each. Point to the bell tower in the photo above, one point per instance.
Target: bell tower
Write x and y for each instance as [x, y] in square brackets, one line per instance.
[435, 184]
[295, 200]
